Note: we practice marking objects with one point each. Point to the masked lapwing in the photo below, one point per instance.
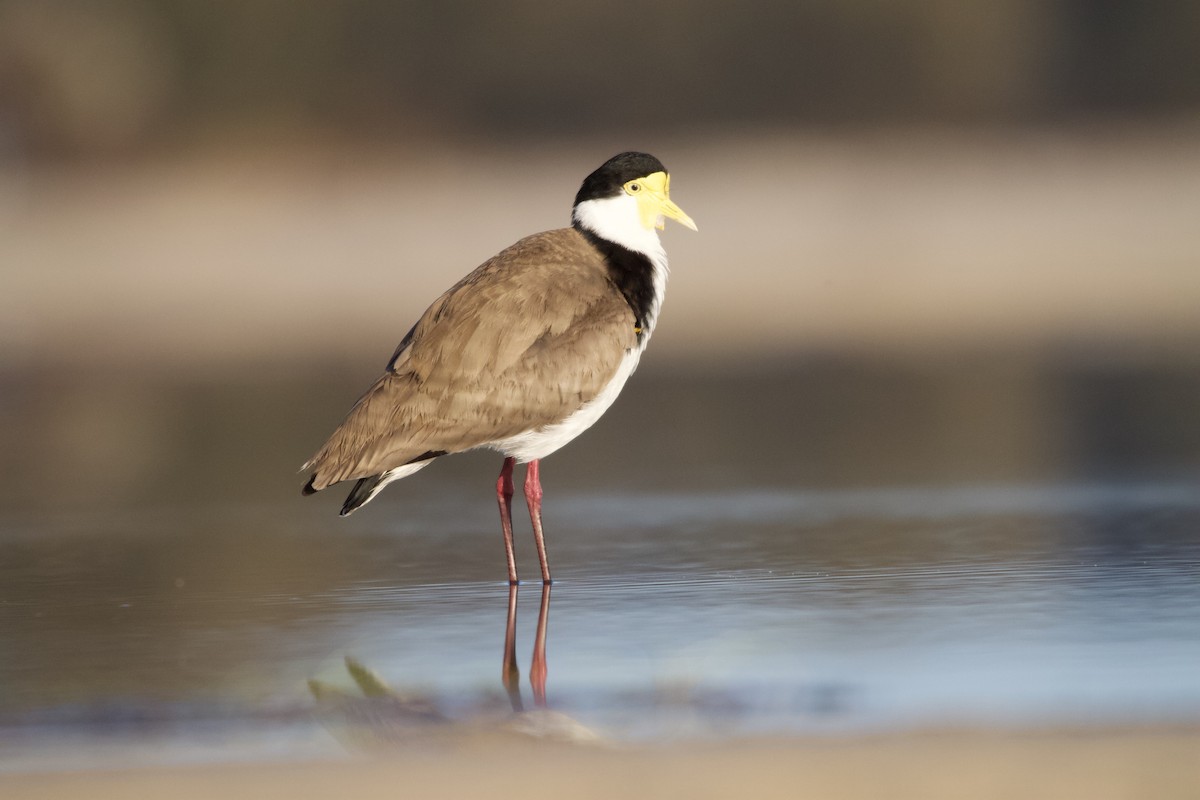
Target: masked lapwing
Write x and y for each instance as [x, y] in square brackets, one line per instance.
[523, 354]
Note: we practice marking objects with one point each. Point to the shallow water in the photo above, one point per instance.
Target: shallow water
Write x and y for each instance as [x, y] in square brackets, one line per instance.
[976, 581]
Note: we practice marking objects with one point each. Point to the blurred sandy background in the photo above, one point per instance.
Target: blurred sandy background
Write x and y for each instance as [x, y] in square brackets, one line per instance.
[186, 184]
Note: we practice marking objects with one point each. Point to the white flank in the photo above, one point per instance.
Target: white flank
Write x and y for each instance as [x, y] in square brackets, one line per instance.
[541, 442]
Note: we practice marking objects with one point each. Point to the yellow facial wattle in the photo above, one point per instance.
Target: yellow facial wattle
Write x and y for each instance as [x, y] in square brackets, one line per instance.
[653, 195]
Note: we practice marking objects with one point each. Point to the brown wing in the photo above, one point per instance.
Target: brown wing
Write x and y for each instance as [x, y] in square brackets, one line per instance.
[521, 342]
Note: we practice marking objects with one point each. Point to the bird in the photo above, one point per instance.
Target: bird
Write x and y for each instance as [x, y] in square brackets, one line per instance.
[523, 354]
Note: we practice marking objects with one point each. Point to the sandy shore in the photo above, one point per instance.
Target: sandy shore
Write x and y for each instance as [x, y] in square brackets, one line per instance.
[1096, 765]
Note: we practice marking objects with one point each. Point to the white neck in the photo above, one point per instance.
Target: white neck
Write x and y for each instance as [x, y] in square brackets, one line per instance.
[618, 220]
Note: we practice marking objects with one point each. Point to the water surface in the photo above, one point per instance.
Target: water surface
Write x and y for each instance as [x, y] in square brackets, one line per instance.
[1040, 568]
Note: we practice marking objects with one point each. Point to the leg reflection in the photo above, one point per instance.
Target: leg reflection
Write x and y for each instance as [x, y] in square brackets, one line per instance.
[510, 673]
[537, 670]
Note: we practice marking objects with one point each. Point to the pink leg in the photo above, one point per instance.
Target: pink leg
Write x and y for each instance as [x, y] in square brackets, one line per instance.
[533, 499]
[504, 493]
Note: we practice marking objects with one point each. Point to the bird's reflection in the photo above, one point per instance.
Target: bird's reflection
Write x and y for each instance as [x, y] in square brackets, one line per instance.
[379, 713]
[510, 673]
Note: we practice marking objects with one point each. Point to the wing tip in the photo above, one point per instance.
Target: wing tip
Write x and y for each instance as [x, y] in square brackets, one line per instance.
[361, 494]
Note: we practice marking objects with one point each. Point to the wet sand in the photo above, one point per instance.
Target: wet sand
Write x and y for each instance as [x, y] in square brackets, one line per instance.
[1096, 765]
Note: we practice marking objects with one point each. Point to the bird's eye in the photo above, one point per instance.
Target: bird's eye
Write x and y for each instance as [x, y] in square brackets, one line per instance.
[634, 188]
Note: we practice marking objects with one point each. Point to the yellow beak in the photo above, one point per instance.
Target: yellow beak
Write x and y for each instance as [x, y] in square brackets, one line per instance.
[654, 202]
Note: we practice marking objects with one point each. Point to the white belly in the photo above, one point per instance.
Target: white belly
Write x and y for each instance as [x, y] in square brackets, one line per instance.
[541, 442]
